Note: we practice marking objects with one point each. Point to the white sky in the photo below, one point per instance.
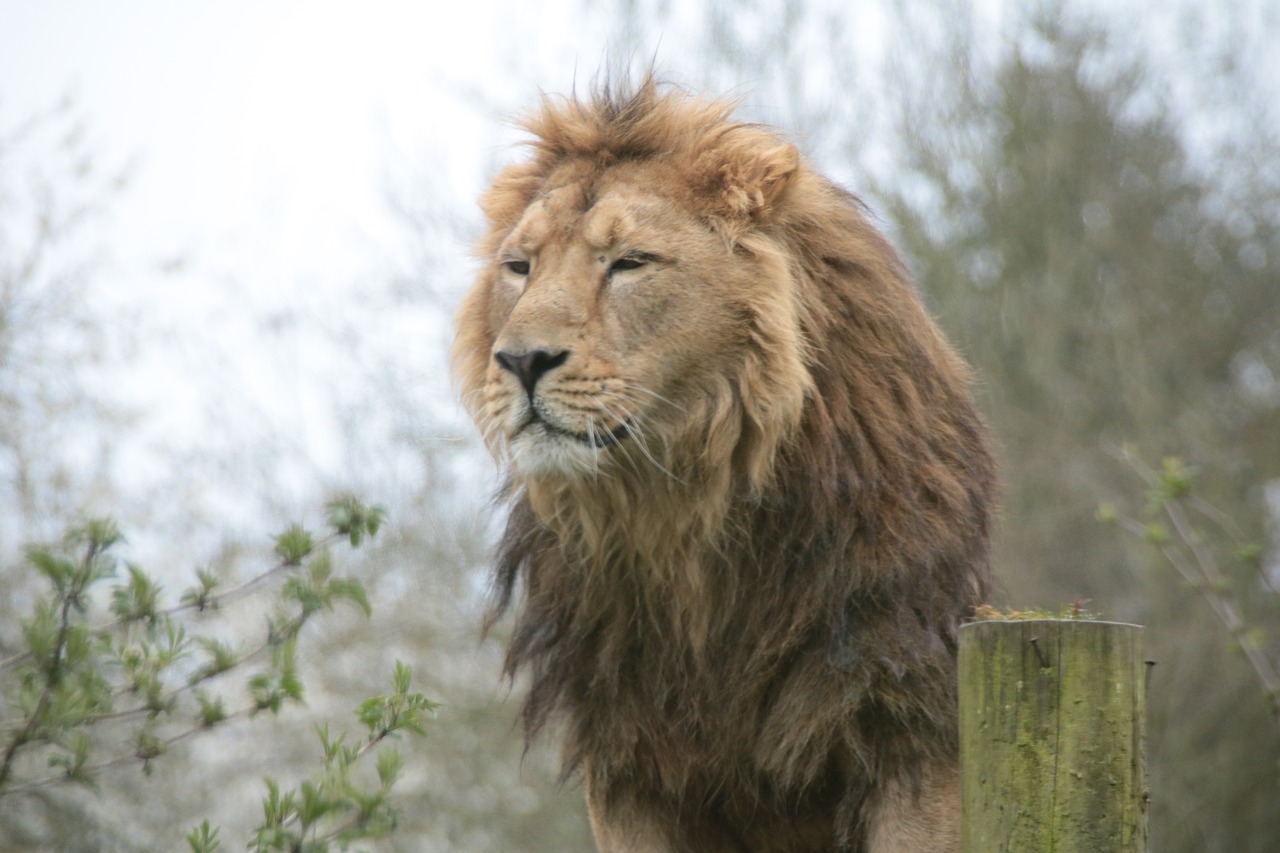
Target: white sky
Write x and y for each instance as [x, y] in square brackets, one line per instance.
[263, 139]
[264, 132]
[267, 124]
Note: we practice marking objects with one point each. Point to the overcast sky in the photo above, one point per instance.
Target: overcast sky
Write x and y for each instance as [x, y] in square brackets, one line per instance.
[264, 133]
[262, 141]
[268, 126]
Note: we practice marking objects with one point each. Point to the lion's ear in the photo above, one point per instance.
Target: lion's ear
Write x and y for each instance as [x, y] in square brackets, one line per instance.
[751, 178]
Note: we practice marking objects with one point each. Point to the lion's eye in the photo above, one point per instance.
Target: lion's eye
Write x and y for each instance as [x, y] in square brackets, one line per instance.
[631, 262]
[517, 267]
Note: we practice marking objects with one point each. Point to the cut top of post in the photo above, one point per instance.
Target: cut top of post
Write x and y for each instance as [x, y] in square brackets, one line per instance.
[1052, 736]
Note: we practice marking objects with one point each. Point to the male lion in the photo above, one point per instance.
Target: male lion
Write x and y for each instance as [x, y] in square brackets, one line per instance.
[749, 493]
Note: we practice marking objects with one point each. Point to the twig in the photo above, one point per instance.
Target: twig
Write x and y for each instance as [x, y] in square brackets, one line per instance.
[214, 601]
[94, 769]
[1202, 572]
[209, 603]
[1224, 606]
[54, 674]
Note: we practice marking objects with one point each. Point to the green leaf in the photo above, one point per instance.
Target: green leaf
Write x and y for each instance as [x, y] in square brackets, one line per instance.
[174, 642]
[374, 520]
[275, 810]
[377, 818]
[1250, 553]
[313, 805]
[265, 696]
[147, 746]
[401, 676]
[75, 759]
[308, 597]
[352, 590]
[41, 634]
[283, 627]
[385, 715]
[1156, 534]
[369, 713]
[212, 710]
[270, 690]
[201, 596]
[59, 570]
[203, 839]
[98, 533]
[293, 545]
[316, 589]
[221, 657]
[320, 569]
[390, 765]
[1174, 477]
[136, 600]
[291, 685]
[351, 518]
[329, 745]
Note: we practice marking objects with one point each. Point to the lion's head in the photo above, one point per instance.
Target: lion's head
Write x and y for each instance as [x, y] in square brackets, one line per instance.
[627, 317]
[731, 433]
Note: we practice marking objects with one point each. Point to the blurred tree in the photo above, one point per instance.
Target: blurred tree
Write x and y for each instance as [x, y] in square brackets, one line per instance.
[1109, 291]
[57, 420]
[56, 417]
[1101, 288]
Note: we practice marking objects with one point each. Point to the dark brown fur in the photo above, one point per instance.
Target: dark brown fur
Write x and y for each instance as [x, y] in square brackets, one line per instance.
[813, 668]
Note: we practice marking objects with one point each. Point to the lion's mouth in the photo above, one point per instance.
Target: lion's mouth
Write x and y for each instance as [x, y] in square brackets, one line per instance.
[598, 438]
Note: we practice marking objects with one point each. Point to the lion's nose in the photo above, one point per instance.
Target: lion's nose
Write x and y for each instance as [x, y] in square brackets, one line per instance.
[532, 365]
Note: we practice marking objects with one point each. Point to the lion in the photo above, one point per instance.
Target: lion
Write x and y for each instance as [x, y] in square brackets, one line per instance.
[749, 495]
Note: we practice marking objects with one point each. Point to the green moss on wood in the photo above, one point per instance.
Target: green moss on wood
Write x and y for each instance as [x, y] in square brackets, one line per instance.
[1052, 736]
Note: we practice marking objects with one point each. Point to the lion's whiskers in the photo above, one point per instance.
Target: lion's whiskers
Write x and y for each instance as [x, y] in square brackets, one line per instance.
[631, 385]
[631, 424]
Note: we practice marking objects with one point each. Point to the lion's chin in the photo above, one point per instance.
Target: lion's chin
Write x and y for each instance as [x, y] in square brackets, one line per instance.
[539, 451]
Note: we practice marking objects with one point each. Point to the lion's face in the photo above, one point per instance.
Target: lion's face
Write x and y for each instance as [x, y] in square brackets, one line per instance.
[616, 322]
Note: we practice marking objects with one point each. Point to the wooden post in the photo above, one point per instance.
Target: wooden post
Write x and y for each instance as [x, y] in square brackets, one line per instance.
[1052, 736]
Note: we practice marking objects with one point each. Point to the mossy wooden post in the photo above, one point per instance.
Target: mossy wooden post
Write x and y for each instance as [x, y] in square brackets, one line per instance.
[1052, 733]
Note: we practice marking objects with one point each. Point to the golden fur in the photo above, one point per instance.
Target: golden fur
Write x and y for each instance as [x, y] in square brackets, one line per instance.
[748, 492]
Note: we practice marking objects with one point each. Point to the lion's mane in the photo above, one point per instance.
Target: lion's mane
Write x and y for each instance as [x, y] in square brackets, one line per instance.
[768, 619]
